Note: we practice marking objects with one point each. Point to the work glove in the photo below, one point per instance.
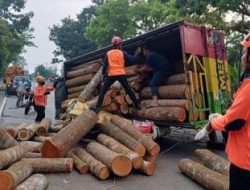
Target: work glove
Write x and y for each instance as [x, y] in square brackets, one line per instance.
[46, 93]
[204, 132]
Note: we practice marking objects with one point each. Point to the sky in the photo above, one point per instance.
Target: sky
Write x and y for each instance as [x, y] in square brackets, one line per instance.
[46, 14]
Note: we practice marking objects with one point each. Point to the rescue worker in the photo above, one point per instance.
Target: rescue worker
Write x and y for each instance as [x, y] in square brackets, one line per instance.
[237, 122]
[40, 97]
[113, 69]
[159, 67]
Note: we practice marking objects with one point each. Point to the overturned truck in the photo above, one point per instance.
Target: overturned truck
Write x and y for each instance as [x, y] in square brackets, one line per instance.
[198, 86]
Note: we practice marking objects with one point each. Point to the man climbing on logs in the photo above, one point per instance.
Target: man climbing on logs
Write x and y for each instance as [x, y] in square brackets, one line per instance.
[113, 69]
[236, 122]
[40, 97]
[158, 67]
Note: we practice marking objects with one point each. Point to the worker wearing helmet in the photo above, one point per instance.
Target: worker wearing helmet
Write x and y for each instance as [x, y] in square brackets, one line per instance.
[237, 122]
[40, 97]
[158, 67]
[114, 70]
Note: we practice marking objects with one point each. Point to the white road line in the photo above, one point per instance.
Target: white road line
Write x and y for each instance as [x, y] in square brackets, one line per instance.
[2, 106]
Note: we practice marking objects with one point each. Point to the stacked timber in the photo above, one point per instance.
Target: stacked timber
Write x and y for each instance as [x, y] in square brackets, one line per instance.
[208, 169]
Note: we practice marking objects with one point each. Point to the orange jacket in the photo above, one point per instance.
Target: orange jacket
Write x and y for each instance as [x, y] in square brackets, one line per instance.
[238, 145]
[39, 98]
[116, 62]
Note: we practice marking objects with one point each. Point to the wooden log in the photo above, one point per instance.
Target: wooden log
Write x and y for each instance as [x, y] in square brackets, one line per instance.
[174, 114]
[11, 155]
[56, 128]
[6, 140]
[66, 102]
[14, 175]
[120, 99]
[125, 125]
[78, 81]
[90, 87]
[32, 155]
[50, 165]
[84, 71]
[134, 78]
[147, 157]
[81, 166]
[120, 165]
[124, 108]
[148, 168]
[212, 161]
[74, 95]
[204, 176]
[128, 100]
[106, 101]
[41, 138]
[194, 115]
[31, 146]
[27, 133]
[113, 131]
[131, 72]
[59, 144]
[177, 79]
[14, 131]
[34, 182]
[113, 107]
[75, 89]
[184, 103]
[112, 92]
[117, 147]
[133, 67]
[85, 65]
[96, 167]
[167, 92]
[43, 127]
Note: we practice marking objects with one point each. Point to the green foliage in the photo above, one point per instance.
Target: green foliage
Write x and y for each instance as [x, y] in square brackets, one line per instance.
[15, 32]
[45, 72]
[69, 36]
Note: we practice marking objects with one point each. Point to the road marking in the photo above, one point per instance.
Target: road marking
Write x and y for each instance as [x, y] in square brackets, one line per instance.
[2, 106]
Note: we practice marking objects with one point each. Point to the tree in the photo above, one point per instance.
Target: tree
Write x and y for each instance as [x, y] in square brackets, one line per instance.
[45, 72]
[69, 36]
[15, 32]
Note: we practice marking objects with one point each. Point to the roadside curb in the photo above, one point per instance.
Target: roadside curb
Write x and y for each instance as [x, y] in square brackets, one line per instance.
[2, 106]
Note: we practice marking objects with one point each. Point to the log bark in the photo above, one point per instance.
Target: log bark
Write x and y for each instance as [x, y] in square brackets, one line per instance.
[167, 92]
[120, 99]
[81, 166]
[204, 176]
[90, 87]
[50, 165]
[27, 133]
[136, 85]
[120, 165]
[6, 140]
[34, 182]
[167, 103]
[170, 114]
[31, 146]
[75, 89]
[117, 147]
[56, 128]
[86, 65]
[32, 155]
[96, 167]
[84, 71]
[74, 95]
[148, 168]
[147, 157]
[177, 79]
[113, 107]
[115, 132]
[41, 138]
[126, 125]
[212, 161]
[124, 108]
[14, 175]
[78, 81]
[14, 131]
[11, 155]
[106, 101]
[60, 143]
[43, 127]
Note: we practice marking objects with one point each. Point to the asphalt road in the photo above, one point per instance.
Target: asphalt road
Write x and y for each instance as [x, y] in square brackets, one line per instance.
[175, 146]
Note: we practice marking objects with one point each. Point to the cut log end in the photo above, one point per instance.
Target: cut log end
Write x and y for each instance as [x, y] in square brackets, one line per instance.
[154, 150]
[121, 166]
[41, 131]
[104, 173]
[182, 116]
[148, 168]
[49, 150]
[69, 165]
[23, 135]
[137, 162]
[140, 149]
[6, 181]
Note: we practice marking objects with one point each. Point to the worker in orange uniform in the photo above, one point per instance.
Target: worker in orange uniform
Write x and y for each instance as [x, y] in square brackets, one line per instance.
[237, 122]
[113, 69]
[40, 97]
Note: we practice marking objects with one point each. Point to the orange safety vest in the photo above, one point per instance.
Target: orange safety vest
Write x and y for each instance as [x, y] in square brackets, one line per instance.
[39, 98]
[238, 145]
[116, 62]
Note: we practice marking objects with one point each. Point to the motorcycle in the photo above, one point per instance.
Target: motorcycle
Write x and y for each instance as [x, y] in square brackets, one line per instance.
[29, 96]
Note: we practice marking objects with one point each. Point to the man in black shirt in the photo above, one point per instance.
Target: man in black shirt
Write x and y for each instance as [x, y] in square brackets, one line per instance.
[159, 66]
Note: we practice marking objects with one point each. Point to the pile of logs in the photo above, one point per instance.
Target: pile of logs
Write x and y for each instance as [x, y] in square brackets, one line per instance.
[208, 169]
[173, 105]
